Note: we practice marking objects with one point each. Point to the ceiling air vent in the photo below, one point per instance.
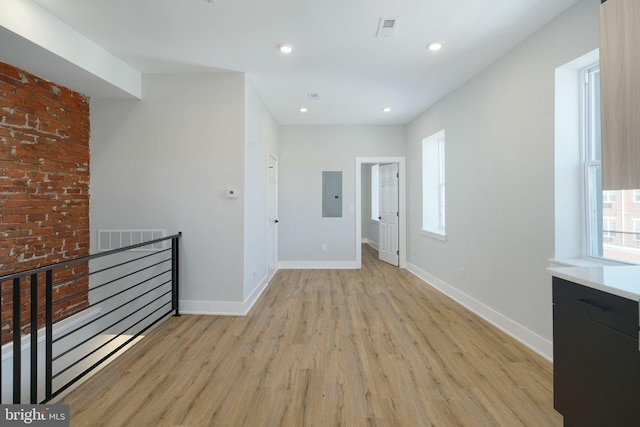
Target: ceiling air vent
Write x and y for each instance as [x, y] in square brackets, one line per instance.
[387, 27]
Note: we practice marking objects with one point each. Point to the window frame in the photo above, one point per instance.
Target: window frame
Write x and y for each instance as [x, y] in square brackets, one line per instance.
[434, 185]
[375, 192]
[607, 231]
[592, 180]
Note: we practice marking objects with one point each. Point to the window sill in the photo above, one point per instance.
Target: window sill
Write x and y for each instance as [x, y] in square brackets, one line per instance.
[435, 235]
[584, 262]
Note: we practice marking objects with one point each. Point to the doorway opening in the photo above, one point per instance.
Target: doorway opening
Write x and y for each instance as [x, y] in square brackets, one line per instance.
[401, 213]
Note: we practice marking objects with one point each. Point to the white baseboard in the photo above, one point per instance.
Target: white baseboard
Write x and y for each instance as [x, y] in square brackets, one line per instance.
[224, 308]
[317, 265]
[370, 242]
[532, 340]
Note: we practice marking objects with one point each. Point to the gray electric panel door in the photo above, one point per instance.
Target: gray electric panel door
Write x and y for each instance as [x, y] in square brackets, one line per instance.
[332, 194]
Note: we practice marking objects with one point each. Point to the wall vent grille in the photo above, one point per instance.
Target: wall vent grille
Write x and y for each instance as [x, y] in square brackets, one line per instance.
[116, 239]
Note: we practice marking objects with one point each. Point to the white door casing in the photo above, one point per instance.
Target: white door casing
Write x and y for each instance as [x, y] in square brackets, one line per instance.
[272, 214]
[389, 214]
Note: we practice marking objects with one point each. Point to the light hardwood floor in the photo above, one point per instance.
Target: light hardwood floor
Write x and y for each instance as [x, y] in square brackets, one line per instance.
[374, 346]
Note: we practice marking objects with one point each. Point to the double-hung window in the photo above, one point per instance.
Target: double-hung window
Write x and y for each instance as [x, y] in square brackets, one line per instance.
[611, 230]
[433, 185]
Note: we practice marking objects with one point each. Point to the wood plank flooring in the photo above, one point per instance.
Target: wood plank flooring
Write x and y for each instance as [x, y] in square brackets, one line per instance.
[369, 347]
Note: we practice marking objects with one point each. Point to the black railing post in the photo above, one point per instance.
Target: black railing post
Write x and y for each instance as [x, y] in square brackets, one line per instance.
[17, 337]
[166, 283]
[34, 339]
[1, 283]
[49, 336]
[175, 273]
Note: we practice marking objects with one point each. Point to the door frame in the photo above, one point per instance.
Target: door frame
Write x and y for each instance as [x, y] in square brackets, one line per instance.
[272, 240]
[402, 205]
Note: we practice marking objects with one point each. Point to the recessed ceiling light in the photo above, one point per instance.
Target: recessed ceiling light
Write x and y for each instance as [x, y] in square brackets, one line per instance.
[303, 109]
[435, 46]
[386, 109]
[285, 48]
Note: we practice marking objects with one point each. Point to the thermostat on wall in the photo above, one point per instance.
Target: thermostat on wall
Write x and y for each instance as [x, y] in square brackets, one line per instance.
[232, 194]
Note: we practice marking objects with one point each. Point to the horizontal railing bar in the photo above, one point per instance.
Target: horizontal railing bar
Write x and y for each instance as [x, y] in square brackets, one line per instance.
[99, 362]
[94, 288]
[116, 336]
[620, 232]
[87, 258]
[112, 296]
[82, 276]
[123, 291]
[110, 311]
[104, 330]
[130, 261]
[70, 297]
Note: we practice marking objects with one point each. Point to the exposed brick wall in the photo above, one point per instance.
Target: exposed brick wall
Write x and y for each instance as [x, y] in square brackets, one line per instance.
[44, 186]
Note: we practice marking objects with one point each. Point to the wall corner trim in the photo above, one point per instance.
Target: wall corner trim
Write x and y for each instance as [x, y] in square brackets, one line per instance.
[225, 308]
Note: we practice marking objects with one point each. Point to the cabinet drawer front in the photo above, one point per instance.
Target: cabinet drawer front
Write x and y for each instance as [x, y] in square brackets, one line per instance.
[596, 373]
[610, 310]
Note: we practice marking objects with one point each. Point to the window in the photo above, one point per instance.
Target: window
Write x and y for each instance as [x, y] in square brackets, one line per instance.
[636, 230]
[608, 197]
[433, 185]
[375, 192]
[610, 227]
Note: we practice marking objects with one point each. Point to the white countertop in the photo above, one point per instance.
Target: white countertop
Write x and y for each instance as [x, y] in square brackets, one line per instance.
[623, 281]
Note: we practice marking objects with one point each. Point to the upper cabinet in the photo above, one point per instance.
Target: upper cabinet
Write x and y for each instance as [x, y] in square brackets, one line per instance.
[620, 93]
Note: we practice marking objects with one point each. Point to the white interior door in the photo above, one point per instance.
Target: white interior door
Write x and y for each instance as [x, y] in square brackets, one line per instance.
[272, 217]
[389, 214]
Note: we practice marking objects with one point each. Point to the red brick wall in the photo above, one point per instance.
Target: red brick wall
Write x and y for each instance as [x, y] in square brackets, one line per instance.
[44, 185]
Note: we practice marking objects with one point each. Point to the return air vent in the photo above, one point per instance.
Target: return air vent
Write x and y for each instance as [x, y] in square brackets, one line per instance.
[116, 239]
[387, 27]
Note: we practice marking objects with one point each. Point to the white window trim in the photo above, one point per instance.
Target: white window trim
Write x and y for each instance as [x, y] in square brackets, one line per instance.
[573, 254]
[431, 230]
[434, 235]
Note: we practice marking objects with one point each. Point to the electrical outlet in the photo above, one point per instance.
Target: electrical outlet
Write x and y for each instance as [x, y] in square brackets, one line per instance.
[324, 247]
[462, 272]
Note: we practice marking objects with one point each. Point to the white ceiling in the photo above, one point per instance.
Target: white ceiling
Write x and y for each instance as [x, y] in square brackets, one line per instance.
[336, 53]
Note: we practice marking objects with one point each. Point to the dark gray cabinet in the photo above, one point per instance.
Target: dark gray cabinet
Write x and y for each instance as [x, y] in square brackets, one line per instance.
[596, 360]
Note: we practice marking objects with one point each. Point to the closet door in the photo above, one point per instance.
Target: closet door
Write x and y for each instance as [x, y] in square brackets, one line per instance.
[620, 93]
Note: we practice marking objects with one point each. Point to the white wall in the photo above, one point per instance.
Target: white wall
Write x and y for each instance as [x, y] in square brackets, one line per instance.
[306, 151]
[500, 180]
[165, 162]
[261, 141]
